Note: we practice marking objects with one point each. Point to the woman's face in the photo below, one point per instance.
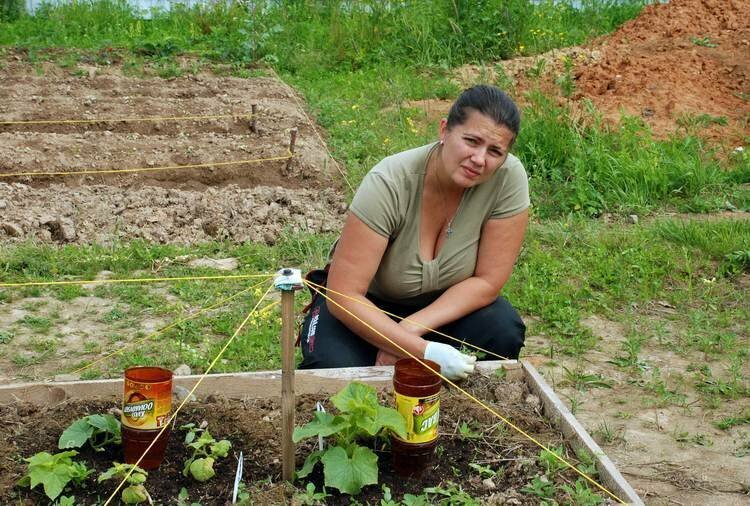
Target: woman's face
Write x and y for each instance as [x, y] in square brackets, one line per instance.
[474, 150]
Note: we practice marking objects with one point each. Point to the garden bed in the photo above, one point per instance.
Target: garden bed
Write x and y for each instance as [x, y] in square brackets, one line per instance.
[477, 455]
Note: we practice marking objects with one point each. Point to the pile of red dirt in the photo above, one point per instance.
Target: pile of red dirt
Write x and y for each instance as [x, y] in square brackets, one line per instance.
[683, 64]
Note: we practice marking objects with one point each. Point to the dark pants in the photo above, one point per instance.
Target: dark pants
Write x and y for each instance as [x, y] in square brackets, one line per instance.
[326, 342]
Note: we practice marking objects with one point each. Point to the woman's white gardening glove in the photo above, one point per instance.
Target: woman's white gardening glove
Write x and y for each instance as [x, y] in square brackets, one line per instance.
[453, 363]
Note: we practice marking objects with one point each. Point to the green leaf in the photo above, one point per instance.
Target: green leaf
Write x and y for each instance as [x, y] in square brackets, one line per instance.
[202, 469]
[98, 421]
[387, 418]
[134, 494]
[356, 397]
[324, 424]
[221, 448]
[349, 475]
[55, 482]
[45, 459]
[66, 501]
[309, 464]
[109, 473]
[76, 435]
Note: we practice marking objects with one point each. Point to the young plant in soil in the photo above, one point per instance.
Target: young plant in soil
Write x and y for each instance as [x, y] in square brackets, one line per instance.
[347, 466]
[54, 472]
[98, 430]
[206, 450]
[135, 492]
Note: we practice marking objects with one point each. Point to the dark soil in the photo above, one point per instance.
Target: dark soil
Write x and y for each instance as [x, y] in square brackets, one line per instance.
[253, 426]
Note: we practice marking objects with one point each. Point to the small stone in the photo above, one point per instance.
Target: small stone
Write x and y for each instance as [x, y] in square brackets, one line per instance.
[62, 229]
[4, 204]
[12, 229]
[269, 238]
[489, 484]
[633, 219]
[221, 264]
[533, 401]
[181, 393]
[182, 370]
[211, 228]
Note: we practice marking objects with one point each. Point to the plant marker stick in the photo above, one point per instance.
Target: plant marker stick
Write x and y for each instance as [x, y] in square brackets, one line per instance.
[287, 281]
[237, 479]
[292, 141]
[321, 442]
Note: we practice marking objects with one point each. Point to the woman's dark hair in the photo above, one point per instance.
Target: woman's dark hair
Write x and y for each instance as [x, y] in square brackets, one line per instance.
[490, 101]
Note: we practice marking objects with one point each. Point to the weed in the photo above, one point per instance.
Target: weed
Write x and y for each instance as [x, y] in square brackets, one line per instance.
[468, 431]
[452, 494]
[581, 494]
[584, 381]
[6, 336]
[606, 434]
[702, 41]
[732, 421]
[696, 439]
[312, 498]
[483, 471]
[551, 461]
[37, 323]
[565, 81]
[540, 487]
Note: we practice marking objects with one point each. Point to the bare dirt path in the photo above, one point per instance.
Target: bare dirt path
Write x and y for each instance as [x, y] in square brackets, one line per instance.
[651, 420]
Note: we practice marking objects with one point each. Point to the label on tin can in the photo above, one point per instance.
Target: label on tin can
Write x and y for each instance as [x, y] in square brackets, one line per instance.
[422, 415]
[146, 406]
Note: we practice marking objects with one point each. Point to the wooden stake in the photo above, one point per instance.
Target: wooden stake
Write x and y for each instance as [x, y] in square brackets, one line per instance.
[253, 124]
[292, 140]
[287, 384]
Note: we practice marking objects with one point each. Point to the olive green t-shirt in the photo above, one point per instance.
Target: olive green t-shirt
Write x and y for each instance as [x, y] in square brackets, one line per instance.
[389, 201]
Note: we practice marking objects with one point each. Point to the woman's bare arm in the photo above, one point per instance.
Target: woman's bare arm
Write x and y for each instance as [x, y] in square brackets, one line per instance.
[355, 261]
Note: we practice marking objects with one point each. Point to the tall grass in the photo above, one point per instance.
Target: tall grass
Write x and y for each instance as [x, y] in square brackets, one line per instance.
[294, 34]
[589, 167]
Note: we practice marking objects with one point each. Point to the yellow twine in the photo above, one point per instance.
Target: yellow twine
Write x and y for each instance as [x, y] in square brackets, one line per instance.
[149, 169]
[167, 327]
[428, 329]
[120, 120]
[187, 397]
[467, 394]
[131, 280]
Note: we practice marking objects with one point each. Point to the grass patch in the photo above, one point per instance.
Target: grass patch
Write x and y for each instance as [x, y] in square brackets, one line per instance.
[297, 34]
[727, 241]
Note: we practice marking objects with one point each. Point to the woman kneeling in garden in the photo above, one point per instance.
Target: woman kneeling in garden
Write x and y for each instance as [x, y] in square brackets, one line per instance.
[432, 235]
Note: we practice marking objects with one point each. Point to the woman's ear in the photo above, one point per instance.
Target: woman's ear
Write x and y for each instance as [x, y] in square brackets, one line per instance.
[443, 130]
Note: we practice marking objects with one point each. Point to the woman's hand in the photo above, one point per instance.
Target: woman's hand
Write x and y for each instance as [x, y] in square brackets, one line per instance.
[385, 358]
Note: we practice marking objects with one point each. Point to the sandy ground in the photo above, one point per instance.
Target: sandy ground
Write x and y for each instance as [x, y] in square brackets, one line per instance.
[668, 449]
